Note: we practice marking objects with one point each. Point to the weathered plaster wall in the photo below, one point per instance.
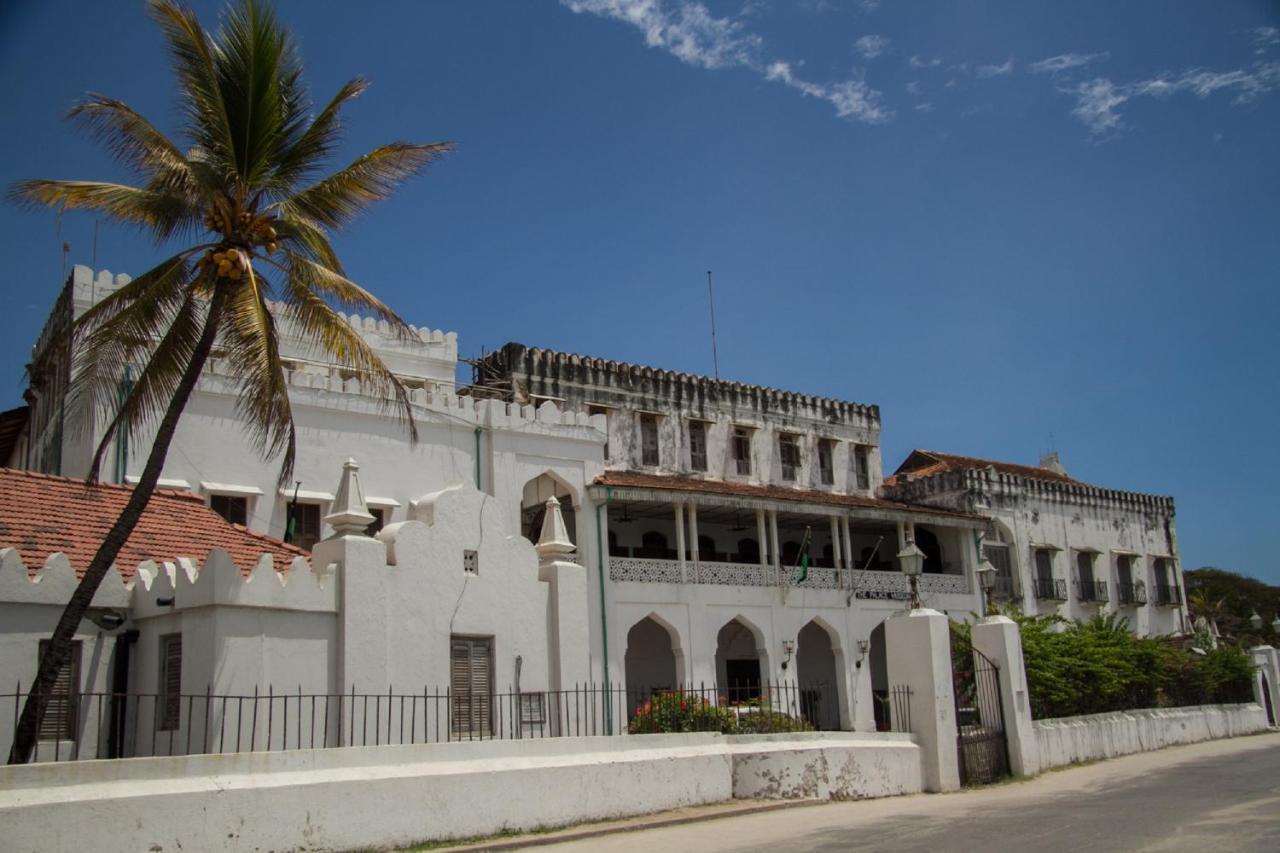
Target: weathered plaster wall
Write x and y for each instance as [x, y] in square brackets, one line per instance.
[1068, 740]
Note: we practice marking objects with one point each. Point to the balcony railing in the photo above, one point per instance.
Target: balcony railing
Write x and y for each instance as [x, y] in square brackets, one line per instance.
[1048, 589]
[1168, 595]
[1131, 593]
[1094, 591]
[864, 584]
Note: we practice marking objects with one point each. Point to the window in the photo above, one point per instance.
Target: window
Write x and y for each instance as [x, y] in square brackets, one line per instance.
[697, 446]
[1044, 564]
[1089, 590]
[59, 720]
[861, 466]
[470, 562]
[1127, 591]
[1046, 587]
[654, 546]
[826, 470]
[379, 519]
[998, 557]
[234, 508]
[601, 410]
[306, 526]
[742, 450]
[789, 452]
[471, 682]
[649, 440]
[169, 714]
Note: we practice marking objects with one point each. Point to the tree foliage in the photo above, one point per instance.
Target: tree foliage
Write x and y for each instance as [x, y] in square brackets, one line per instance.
[1097, 666]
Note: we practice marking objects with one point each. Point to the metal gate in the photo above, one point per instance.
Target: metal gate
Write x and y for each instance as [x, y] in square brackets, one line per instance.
[980, 742]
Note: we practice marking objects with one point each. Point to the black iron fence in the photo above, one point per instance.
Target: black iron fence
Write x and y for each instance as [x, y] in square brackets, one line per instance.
[1092, 590]
[86, 725]
[1168, 594]
[1048, 589]
[1131, 593]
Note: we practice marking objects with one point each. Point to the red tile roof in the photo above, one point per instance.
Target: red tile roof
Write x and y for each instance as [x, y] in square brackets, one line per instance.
[926, 463]
[41, 514]
[677, 483]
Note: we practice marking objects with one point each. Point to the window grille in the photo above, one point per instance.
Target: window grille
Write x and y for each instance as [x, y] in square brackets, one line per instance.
[169, 716]
[697, 446]
[649, 440]
[471, 681]
[59, 720]
[789, 452]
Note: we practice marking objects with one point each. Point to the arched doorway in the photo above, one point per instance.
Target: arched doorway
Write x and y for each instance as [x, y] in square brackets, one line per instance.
[651, 662]
[928, 542]
[533, 506]
[816, 677]
[739, 670]
[878, 664]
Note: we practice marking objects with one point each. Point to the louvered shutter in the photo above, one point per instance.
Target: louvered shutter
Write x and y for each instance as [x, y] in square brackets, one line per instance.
[59, 720]
[170, 682]
[471, 680]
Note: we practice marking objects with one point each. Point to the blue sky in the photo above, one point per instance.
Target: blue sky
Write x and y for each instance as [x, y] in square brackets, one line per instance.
[1015, 226]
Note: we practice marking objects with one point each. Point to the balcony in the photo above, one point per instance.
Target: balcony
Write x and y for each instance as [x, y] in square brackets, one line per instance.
[1168, 595]
[864, 584]
[1003, 589]
[1092, 591]
[1048, 589]
[1131, 594]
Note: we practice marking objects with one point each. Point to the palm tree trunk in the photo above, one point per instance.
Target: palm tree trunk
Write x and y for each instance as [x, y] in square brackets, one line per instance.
[58, 650]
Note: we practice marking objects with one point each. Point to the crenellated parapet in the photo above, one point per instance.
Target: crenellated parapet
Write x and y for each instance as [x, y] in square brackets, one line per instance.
[952, 487]
[53, 582]
[186, 584]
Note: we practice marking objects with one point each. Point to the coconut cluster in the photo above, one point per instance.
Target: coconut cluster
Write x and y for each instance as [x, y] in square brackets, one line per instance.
[232, 262]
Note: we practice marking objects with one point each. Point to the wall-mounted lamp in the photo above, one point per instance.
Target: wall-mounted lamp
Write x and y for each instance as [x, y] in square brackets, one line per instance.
[166, 601]
[107, 620]
[788, 647]
[864, 646]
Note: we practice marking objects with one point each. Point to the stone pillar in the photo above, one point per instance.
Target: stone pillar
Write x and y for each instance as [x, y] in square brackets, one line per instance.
[998, 638]
[568, 640]
[775, 548]
[864, 709]
[850, 560]
[693, 536]
[762, 536]
[680, 549]
[918, 645]
[837, 552]
[1267, 660]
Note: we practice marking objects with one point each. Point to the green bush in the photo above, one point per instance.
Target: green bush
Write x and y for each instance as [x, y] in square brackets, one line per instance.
[680, 712]
[765, 722]
[1096, 666]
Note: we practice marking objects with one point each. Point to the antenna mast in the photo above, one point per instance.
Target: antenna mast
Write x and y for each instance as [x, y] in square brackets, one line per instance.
[711, 298]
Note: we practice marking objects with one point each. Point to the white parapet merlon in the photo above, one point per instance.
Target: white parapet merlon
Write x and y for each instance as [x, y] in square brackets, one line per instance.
[919, 657]
[998, 638]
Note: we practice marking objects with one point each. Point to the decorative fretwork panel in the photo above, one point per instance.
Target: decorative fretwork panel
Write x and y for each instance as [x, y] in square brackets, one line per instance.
[643, 570]
[735, 574]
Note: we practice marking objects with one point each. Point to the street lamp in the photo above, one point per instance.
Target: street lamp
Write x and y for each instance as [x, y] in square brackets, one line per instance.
[1275, 624]
[987, 582]
[1256, 621]
[911, 559]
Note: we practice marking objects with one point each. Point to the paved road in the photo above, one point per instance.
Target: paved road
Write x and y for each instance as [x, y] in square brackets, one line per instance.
[1212, 797]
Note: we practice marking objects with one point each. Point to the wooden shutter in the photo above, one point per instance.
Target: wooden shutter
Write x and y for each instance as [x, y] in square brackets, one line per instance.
[170, 714]
[471, 680]
[59, 720]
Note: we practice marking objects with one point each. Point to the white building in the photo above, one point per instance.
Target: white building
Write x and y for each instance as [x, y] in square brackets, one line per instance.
[1061, 546]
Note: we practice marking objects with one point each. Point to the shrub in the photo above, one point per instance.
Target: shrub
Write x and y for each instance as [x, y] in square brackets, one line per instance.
[681, 712]
[765, 722]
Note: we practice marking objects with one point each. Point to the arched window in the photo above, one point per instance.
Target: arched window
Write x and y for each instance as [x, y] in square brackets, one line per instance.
[706, 548]
[654, 546]
[748, 551]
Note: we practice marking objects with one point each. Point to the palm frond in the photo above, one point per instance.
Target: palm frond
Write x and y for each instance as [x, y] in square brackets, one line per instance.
[307, 237]
[303, 157]
[253, 356]
[161, 213]
[135, 142]
[156, 383]
[347, 294]
[122, 330]
[329, 332]
[339, 198]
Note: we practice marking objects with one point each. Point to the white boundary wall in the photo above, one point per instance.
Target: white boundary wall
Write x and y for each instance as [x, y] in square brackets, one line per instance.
[338, 799]
[1067, 740]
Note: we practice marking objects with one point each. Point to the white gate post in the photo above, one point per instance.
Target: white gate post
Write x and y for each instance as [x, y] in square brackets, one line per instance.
[918, 646]
[1267, 661]
[998, 638]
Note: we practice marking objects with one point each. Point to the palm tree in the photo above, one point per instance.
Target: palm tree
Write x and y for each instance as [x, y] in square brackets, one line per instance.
[245, 200]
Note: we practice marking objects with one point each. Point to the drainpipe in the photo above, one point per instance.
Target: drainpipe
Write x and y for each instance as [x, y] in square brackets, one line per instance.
[478, 458]
[604, 615]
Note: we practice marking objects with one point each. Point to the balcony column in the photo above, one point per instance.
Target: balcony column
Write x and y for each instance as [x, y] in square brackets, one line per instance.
[762, 537]
[848, 543]
[678, 507]
[693, 536]
[775, 549]
[902, 535]
[837, 552]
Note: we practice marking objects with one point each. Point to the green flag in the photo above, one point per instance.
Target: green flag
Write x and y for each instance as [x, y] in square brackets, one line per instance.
[803, 560]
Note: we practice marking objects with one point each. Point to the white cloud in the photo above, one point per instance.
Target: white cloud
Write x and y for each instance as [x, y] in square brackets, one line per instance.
[1265, 38]
[1001, 70]
[924, 108]
[1065, 62]
[917, 61]
[1098, 100]
[871, 46]
[869, 5]
[689, 32]
[913, 87]
[851, 98]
